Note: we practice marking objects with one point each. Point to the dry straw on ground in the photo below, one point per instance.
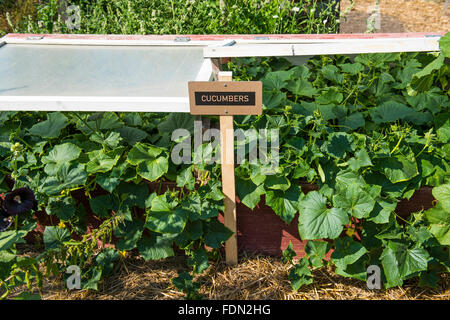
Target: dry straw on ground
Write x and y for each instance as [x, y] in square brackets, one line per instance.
[255, 278]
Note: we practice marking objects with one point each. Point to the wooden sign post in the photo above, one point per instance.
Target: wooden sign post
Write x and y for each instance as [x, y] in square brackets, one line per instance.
[226, 98]
[228, 183]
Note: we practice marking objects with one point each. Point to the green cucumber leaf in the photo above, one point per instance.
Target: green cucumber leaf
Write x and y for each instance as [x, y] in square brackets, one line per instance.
[317, 221]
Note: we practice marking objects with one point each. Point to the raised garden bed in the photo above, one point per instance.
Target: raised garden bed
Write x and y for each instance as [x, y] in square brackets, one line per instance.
[259, 231]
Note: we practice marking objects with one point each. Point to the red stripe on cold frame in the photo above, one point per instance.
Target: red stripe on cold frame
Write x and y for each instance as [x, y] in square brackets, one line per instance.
[225, 36]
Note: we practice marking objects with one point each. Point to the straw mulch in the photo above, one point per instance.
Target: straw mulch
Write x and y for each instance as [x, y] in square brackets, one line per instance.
[255, 278]
[398, 16]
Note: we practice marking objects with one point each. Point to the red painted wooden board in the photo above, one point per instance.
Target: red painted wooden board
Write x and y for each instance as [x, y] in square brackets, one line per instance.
[225, 36]
[262, 231]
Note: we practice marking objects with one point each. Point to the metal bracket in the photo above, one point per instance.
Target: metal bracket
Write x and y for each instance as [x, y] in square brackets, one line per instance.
[182, 39]
[35, 38]
[229, 44]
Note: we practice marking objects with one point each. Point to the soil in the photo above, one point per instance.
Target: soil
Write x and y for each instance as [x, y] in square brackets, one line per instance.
[396, 16]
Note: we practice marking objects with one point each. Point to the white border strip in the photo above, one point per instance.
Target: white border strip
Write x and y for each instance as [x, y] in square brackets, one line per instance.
[94, 104]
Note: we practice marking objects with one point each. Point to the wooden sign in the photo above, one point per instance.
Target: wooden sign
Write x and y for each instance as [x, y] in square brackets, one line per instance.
[225, 97]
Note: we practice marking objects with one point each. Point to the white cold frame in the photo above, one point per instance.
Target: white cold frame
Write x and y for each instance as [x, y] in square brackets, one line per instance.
[91, 75]
[97, 74]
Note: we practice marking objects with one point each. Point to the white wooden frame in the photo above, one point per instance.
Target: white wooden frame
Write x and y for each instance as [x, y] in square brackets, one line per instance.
[311, 47]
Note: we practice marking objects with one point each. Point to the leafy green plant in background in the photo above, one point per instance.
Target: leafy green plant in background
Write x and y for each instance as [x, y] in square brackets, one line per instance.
[186, 17]
[13, 11]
